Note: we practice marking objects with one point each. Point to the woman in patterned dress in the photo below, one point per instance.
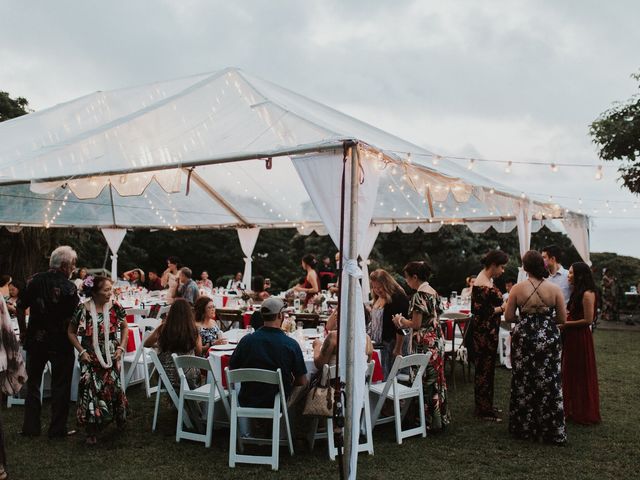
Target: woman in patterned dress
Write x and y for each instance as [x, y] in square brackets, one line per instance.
[427, 337]
[487, 306]
[97, 322]
[205, 315]
[536, 409]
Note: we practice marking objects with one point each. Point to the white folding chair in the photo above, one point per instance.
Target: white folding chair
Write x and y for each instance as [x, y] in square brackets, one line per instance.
[235, 378]
[164, 386]
[137, 312]
[365, 418]
[209, 393]
[454, 349]
[393, 390]
[141, 358]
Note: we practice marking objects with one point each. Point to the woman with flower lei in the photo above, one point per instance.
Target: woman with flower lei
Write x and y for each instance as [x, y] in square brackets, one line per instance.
[100, 395]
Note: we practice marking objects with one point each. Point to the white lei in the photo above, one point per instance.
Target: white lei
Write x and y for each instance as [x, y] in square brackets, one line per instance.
[105, 324]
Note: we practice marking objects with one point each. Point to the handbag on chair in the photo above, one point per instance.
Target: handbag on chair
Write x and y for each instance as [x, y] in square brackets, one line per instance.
[319, 402]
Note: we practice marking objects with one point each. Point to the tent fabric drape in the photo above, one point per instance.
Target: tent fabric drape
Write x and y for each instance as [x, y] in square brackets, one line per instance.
[577, 228]
[523, 222]
[370, 240]
[248, 238]
[114, 237]
[326, 199]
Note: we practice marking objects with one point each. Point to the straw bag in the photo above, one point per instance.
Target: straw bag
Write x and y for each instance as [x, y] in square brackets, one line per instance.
[319, 402]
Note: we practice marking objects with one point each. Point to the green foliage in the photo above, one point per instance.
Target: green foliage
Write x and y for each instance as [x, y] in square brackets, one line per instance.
[12, 107]
[625, 269]
[616, 132]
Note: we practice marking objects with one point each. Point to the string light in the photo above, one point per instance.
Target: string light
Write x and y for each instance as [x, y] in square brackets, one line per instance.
[554, 168]
[472, 161]
[507, 169]
[436, 160]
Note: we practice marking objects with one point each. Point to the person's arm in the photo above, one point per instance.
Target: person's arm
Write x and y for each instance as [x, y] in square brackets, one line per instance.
[72, 333]
[127, 275]
[152, 340]
[397, 349]
[199, 347]
[414, 322]
[164, 280]
[124, 338]
[588, 307]
[322, 351]
[561, 309]
[300, 380]
[510, 311]
[332, 321]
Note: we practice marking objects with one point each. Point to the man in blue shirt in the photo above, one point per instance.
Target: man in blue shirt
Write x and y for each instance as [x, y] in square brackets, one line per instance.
[269, 348]
[557, 273]
[188, 288]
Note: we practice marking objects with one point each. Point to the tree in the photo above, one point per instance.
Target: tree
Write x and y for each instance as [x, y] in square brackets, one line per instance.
[616, 132]
[12, 107]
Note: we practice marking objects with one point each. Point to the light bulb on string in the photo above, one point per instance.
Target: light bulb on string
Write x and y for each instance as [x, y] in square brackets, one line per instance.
[436, 159]
[409, 157]
[507, 169]
[472, 162]
[599, 174]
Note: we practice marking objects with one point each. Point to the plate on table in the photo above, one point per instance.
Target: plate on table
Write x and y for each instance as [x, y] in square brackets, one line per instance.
[223, 347]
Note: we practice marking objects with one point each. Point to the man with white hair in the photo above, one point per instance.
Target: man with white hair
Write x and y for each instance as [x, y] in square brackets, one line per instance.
[52, 298]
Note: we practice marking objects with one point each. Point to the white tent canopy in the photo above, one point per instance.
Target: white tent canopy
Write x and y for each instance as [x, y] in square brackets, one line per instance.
[127, 158]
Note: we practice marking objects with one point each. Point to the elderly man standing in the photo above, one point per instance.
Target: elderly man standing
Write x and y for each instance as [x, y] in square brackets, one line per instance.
[269, 348]
[188, 288]
[52, 299]
[557, 273]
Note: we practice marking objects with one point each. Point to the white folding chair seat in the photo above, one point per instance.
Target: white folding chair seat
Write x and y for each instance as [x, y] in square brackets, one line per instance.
[235, 378]
[209, 393]
[395, 391]
[164, 386]
[365, 418]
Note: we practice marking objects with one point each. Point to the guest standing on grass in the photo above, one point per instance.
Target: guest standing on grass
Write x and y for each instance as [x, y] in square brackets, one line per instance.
[579, 373]
[424, 309]
[311, 284]
[13, 373]
[487, 307]
[97, 322]
[535, 410]
[52, 298]
[389, 299]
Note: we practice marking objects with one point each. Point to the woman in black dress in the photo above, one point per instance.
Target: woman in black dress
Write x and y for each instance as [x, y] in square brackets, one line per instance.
[487, 307]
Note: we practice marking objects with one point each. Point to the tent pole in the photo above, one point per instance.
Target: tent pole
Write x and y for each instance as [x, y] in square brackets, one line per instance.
[352, 254]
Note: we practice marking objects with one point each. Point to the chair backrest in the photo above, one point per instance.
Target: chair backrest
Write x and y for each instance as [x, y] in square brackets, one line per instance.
[257, 375]
[138, 311]
[164, 381]
[148, 323]
[420, 360]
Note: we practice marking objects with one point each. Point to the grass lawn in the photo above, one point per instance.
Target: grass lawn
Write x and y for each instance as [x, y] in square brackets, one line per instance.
[470, 449]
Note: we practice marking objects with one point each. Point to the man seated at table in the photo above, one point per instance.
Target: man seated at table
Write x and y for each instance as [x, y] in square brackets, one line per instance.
[236, 283]
[153, 281]
[187, 288]
[269, 348]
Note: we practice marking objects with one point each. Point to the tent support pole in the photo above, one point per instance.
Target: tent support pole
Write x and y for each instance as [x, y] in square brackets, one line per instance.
[352, 254]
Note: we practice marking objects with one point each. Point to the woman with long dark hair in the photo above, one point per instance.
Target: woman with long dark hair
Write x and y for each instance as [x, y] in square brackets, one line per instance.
[424, 309]
[579, 373]
[487, 307]
[177, 334]
[205, 316]
[389, 299]
[311, 284]
[535, 409]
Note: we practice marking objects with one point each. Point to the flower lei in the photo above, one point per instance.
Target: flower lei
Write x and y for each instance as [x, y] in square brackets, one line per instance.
[105, 324]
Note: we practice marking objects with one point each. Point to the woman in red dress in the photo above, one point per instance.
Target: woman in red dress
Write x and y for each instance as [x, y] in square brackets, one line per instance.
[579, 374]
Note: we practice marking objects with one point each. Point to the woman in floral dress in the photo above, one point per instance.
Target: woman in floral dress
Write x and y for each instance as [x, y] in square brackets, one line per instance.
[427, 337]
[536, 409]
[487, 307]
[100, 395]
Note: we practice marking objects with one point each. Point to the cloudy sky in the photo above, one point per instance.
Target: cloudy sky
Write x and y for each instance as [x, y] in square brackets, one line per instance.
[511, 80]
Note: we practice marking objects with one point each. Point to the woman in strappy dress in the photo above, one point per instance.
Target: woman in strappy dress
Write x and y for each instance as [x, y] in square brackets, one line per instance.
[536, 410]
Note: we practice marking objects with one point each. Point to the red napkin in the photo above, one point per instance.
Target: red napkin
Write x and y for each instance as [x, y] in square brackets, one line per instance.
[131, 344]
[246, 319]
[130, 319]
[225, 299]
[378, 376]
[224, 363]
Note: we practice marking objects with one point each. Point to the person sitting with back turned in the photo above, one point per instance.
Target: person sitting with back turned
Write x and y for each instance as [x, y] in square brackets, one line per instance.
[269, 348]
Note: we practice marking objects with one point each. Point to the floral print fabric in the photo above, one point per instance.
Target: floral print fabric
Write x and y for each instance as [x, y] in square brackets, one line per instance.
[100, 395]
[536, 408]
[429, 338]
[486, 325]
